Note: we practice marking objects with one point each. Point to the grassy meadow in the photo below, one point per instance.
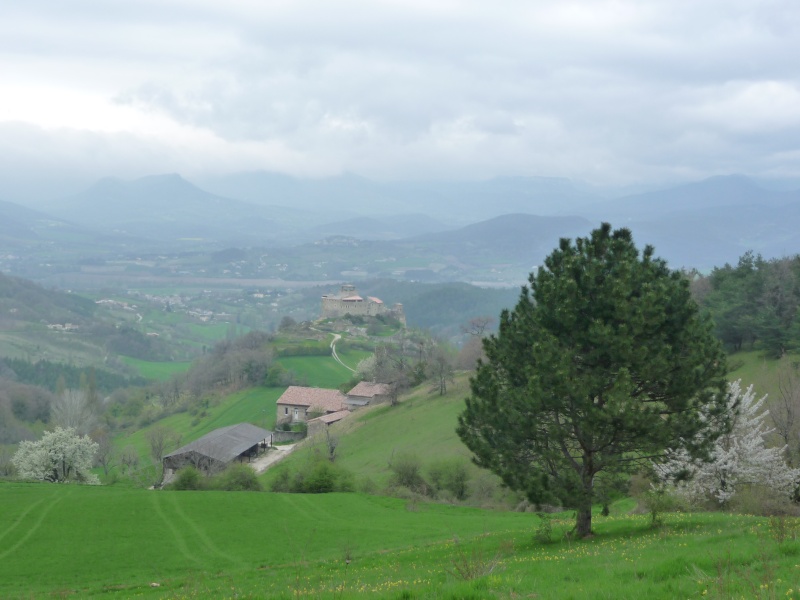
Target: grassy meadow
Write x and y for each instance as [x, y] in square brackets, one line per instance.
[323, 371]
[157, 371]
[74, 541]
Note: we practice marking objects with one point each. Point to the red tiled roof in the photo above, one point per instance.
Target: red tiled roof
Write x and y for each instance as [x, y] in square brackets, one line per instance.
[353, 299]
[368, 389]
[332, 417]
[313, 398]
[375, 300]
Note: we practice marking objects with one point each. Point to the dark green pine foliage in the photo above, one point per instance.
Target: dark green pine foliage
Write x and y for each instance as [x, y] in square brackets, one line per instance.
[604, 362]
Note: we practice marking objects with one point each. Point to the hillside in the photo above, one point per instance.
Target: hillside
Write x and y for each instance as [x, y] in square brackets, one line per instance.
[422, 425]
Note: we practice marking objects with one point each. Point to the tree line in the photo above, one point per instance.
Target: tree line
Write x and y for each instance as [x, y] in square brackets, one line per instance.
[754, 304]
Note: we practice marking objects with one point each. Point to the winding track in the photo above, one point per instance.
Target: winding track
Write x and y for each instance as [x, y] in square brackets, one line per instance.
[336, 338]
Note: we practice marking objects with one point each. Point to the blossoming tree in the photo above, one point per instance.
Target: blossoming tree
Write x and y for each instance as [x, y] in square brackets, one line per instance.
[61, 455]
[739, 458]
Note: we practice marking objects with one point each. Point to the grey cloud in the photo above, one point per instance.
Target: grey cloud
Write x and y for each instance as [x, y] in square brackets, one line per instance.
[615, 91]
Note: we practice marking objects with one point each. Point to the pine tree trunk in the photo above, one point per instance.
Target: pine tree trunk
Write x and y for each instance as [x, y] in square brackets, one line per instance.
[583, 524]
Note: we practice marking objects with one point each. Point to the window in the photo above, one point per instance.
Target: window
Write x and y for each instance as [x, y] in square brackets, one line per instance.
[286, 410]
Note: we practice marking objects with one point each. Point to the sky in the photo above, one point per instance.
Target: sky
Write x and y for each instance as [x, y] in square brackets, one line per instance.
[610, 92]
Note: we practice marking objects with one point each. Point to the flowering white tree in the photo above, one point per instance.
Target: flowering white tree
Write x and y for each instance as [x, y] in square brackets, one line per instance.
[61, 455]
[739, 458]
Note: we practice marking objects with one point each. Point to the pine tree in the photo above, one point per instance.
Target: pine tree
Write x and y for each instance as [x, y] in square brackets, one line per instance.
[603, 363]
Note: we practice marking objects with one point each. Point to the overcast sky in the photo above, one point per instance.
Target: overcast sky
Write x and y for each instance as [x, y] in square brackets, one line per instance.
[610, 92]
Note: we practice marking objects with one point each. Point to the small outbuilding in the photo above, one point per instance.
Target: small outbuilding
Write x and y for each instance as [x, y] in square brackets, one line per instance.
[321, 423]
[216, 450]
[368, 392]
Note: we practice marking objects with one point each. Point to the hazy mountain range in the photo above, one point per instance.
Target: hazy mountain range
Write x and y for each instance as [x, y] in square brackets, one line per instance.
[520, 219]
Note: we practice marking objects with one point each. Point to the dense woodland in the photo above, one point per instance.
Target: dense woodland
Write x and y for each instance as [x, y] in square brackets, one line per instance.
[754, 304]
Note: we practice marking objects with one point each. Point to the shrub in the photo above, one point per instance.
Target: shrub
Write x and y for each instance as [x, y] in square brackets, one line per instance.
[282, 481]
[188, 478]
[237, 478]
[544, 531]
[450, 475]
[757, 500]
[316, 476]
[406, 469]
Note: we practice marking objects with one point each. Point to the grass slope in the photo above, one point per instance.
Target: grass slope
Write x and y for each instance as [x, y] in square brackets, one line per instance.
[157, 371]
[318, 371]
[73, 541]
[423, 424]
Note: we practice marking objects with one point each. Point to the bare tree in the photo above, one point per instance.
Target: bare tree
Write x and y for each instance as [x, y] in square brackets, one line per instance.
[331, 442]
[393, 366]
[471, 352]
[785, 408]
[6, 466]
[129, 459]
[105, 456]
[73, 409]
[161, 439]
[440, 367]
[477, 327]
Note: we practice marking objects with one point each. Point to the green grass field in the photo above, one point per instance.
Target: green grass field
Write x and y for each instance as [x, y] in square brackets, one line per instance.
[82, 542]
[317, 371]
[157, 371]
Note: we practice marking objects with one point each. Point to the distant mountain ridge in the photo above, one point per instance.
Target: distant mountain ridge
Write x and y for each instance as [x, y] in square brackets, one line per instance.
[516, 220]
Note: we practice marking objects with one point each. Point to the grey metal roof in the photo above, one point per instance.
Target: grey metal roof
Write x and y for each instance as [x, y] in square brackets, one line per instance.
[226, 443]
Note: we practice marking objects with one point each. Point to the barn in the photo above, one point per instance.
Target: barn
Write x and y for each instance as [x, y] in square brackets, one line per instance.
[216, 450]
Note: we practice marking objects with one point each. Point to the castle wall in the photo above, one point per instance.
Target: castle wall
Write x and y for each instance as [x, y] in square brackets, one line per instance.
[334, 306]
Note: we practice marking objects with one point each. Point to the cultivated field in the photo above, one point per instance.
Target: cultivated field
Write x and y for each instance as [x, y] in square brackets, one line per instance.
[71, 541]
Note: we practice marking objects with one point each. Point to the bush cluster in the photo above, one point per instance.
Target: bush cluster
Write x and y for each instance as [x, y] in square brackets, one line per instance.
[236, 478]
[447, 479]
[317, 476]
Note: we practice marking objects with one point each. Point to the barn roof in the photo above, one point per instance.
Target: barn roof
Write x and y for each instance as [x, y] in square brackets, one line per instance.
[226, 443]
[368, 389]
[314, 398]
[332, 417]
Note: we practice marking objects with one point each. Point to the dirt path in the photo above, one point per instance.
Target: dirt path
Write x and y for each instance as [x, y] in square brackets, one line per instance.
[336, 338]
[274, 455]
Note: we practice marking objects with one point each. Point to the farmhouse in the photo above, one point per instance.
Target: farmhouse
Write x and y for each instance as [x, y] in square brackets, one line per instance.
[367, 392]
[348, 302]
[216, 450]
[297, 403]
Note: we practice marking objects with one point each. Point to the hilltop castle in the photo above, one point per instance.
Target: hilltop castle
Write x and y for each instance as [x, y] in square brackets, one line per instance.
[347, 301]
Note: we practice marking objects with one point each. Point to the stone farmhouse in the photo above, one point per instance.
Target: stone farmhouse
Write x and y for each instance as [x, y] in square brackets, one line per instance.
[297, 403]
[347, 301]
